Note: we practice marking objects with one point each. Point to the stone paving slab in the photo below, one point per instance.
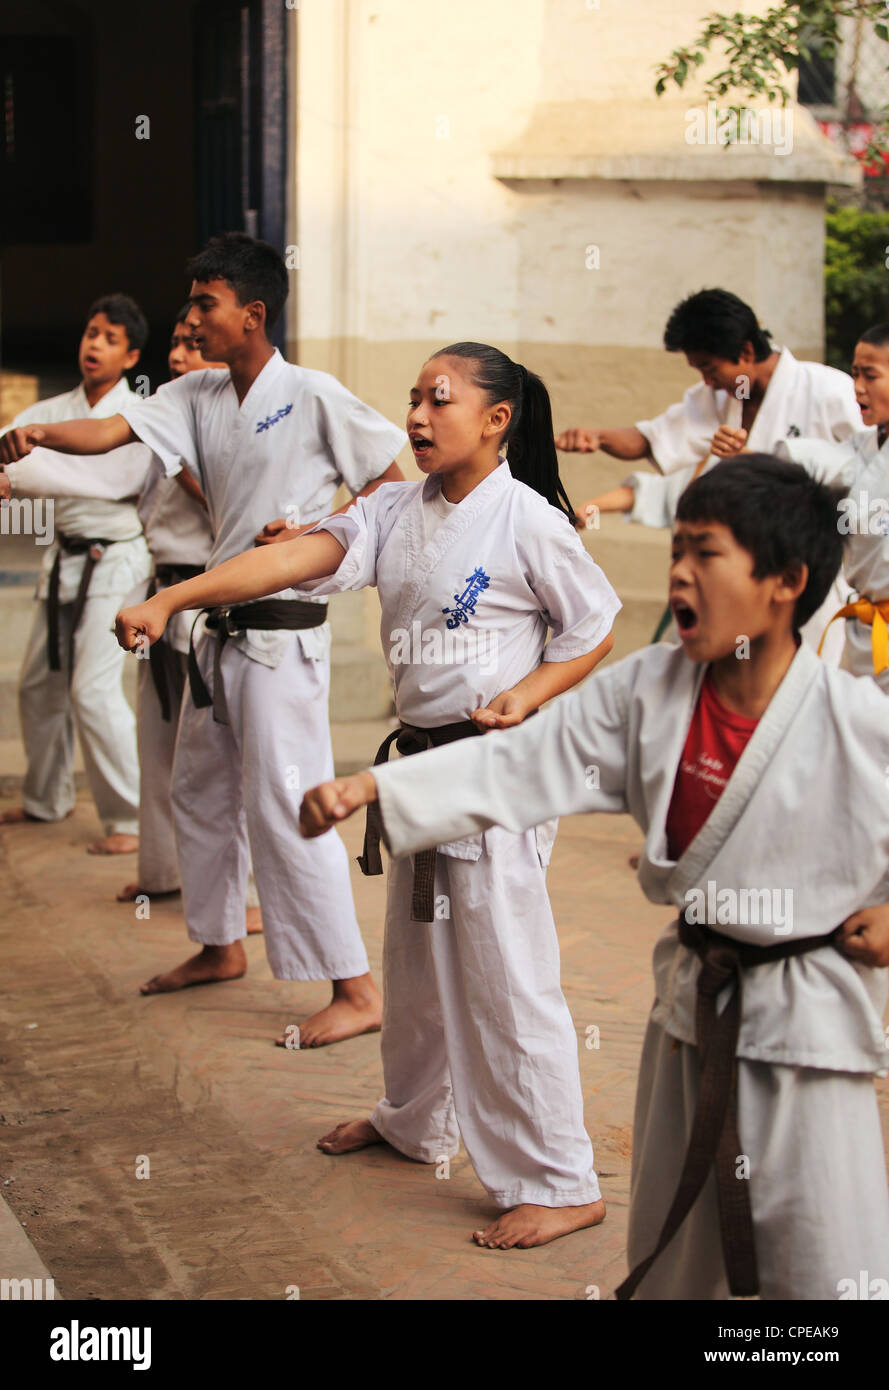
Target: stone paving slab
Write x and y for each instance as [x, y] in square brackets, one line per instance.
[238, 1203]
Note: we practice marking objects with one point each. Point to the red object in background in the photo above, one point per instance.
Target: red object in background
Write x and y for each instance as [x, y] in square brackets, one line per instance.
[855, 137]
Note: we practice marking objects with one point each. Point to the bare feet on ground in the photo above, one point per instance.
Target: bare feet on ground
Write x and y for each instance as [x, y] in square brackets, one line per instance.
[131, 891]
[530, 1225]
[19, 816]
[212, 963]
[254, 921]
[114, 844]
[349, 1136]
[356, 1008]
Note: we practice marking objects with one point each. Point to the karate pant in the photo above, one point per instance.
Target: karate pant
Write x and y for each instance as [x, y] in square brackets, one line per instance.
[247, 778]
[158, 859]
[95, 704]
[477, 1038]
[817, 1178]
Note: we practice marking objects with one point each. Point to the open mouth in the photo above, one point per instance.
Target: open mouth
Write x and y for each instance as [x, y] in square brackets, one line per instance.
[685, 615]
[91, 362]
[420, 444]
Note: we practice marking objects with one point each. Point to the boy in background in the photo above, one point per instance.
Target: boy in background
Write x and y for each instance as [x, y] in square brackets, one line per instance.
[72, 675]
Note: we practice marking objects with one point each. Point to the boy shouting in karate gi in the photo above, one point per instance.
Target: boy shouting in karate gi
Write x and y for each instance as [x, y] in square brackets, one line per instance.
[752, 395]
[266, 440]
[71, 676]
[757, 774]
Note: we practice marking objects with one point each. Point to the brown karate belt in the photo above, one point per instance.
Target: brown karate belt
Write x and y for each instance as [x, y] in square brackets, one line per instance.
[269, 615]
[714, 1136]
[163, 660]
[93, 548]
[409, 739]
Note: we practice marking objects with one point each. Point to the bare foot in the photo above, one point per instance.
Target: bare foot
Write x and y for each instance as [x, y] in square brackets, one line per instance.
[634, 860]
[209, 965]
[356, 1008]
[114, 844]
[131, 891]
[530, 1225]
[349, 1136]
[254, 921]
[19, 816]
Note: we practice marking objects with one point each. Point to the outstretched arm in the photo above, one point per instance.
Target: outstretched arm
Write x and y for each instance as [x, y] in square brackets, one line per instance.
[252, 575]
[71, 437]
[625, 443]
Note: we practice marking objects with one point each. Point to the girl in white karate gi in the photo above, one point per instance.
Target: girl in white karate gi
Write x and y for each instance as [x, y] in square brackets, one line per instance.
[472, 566]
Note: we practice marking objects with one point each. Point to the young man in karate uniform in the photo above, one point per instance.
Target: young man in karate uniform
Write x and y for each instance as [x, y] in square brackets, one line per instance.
[757, 773]
[270, 440]
[71, 675]
[179, 538]
[752, 395]
[862, 465]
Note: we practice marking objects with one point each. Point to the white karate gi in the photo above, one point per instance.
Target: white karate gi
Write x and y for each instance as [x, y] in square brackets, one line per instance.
[863, 467]
[802, 398]
[94, 702]
[177, 531]
[477, 1038]
[282, 452]
[805, 810]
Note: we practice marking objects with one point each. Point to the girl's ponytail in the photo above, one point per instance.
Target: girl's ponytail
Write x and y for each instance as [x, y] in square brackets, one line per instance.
[529, 439]
[531, 446]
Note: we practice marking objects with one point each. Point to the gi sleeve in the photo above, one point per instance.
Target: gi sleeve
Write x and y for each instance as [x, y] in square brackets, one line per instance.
[166, 423]
[655, 497]
[570, 758]
[822, 458]
[576, 600]
[359, 531]
[361, 442]
[110, 477]
[681, 435]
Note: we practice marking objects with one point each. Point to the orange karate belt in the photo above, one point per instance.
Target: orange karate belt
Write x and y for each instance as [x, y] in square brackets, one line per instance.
[876, 617]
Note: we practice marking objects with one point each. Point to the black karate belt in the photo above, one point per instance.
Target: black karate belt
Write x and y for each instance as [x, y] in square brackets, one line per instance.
[714, 1135]
[93, 549]
[166, 668]
[270, 615]
[409, 739]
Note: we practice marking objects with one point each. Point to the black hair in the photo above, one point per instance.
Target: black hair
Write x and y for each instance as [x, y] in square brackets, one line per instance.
[184, 312]
[254, 269]
[529, 435]
[717, 322]
[120, 309]
[878, 336]
[777, 512]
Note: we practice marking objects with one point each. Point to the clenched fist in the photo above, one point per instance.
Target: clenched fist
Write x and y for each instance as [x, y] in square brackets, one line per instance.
[141, 626]
[727, 442]
[330, 802]
[578, 441]
[865, 936]
[16, 444]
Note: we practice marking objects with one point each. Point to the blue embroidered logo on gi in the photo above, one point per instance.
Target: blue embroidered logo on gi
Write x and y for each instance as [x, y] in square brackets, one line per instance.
[273, 419]
[476, 583]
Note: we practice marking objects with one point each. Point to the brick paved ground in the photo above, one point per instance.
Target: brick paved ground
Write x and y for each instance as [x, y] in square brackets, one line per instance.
[239, 1203]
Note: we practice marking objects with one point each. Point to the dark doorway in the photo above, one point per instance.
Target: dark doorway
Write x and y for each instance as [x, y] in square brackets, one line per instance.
[108, 210]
